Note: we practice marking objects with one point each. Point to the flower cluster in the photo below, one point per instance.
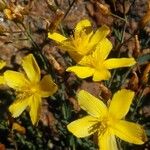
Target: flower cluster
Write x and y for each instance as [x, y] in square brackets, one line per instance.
[90, 50]
[29, 87]
[107, 122]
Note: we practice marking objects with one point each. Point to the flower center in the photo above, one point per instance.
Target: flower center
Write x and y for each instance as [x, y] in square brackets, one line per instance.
[27, 91]
[106, 123]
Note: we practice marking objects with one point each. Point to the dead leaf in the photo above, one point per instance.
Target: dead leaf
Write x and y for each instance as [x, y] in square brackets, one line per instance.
[134, 82]
[146, 74]
[101, 17]
[136, 50]
[75, 104]
[48, 118]
[146, 91]
[52, 56]
[97, 89]
[14, 12]
[146, 18]
[56, 20]
[104, 8]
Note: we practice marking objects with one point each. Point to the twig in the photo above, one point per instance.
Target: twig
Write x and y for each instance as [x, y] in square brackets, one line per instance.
[69, 9]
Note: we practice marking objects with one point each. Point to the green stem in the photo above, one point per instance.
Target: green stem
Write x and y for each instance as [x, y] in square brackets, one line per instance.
[140, 95]
[116, 16]
[47, 67]
[69, 9]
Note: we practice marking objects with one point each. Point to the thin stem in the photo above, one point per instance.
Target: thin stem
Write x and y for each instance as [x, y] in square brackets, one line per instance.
[69, 9]
[140, 95]
[114, 72]
[13, 140]
[116, 16]
[47, 67]
[126, 75]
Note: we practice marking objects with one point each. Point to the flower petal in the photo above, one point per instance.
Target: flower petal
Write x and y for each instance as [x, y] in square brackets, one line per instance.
[81, 26]
[121, 101]
[86, 60]
[91, 104]
[101, 75]
[18, 106]
[102, 49]
[56, 37]
[35, 108]
[99, 35]
[31, 68]
[2, 80]
[81, 71]
[2, 64]
[83, 127]
[119, 62]
[107, 141]
[130, 132]
[15, 80]
[47, 86]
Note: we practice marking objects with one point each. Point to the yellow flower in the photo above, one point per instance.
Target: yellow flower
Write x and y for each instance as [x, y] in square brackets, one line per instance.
[97, 65]
[2, 64]
[107, 122]
[83, 41]
[29, 88]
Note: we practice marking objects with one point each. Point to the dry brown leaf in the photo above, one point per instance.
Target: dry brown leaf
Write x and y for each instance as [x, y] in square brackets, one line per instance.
[55, 64]
[47, 118]
[15, 12]
[134, 82]
[104, 8]
[146, 91]
[54, 58]
[97, 89]
[146, 74]
[146, 18]
[75, 104]
[56, 20]
[137, 48]
[100, 12]
[123, 7]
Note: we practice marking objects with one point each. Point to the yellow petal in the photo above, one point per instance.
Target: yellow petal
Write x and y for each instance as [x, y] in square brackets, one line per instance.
[130, 132]
[101, 75]
[83, 127]
[35, 108]
[91, 104]
[86, 60]
[15, 79]
[2, 64]
[31, 68]
[81, 26]
[107, 141]
[56, 37]
[81, 71]
[47, 86]
[102, 50]
[75, 56]
[99, 35]
[120, 103]
[18, 107]
[2, 81]
[119, 62]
